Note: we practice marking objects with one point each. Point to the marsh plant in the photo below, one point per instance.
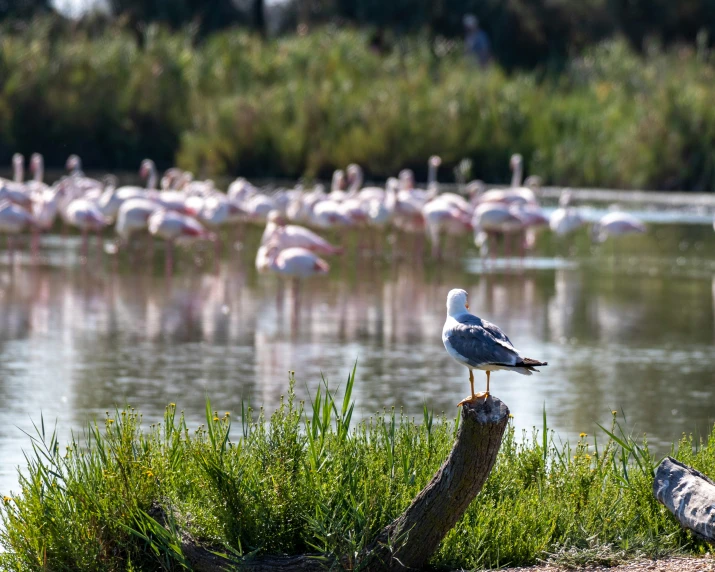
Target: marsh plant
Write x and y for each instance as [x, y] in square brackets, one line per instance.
[308, 479]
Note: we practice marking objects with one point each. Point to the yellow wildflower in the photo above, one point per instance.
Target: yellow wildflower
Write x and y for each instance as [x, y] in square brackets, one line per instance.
[614, 412]
[110, 420]
[582, 435]
[215, 418]
[6, 499]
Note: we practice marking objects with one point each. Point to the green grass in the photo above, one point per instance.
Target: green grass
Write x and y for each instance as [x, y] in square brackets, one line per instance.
[310, 479]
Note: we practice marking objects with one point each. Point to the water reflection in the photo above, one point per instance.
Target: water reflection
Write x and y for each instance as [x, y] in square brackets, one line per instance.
[632, 332]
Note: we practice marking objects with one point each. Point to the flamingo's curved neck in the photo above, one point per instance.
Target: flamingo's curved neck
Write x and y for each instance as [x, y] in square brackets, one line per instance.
[390, 198]
[517, 174]
[18, 172]
[431, 176]
[151, 179]
[355, 184]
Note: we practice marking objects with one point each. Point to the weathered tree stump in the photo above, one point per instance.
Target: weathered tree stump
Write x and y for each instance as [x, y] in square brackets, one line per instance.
[415, 535]
[688, 494]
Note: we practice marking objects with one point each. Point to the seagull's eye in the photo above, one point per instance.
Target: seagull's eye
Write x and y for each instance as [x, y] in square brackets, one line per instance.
[467, 305]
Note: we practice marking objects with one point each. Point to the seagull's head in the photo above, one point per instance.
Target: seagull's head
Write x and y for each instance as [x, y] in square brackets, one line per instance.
[457, 302]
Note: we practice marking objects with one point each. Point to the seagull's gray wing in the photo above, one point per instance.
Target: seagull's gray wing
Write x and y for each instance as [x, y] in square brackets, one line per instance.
[481, 343]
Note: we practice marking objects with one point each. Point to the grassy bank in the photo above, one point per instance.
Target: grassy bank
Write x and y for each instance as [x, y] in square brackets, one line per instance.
[307, 480]
[305, 105]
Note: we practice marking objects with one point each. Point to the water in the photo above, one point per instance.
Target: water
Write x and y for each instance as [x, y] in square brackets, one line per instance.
[625, 326]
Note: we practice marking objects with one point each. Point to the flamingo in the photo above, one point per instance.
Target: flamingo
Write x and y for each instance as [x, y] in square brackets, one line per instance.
[258, 206]
[172, 226]
[133, 217]
[18, 168]
[441, 215]
[381, 209]
[112, 198]
[13, 220]
[284, 236]
[216, 211]
[565, 219]
[37, 170]
[533, 219]
[77, 178]
[491, 219]
[85, 215]
[338, 186]
[516, 194]
[15, 190]
[327, 213]
[18, 171]
[617, 223]
[295, 263]
[241, 190]
[301, 208]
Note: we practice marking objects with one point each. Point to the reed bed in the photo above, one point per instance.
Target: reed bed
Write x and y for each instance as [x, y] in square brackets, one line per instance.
[308, 479]
[303, 105]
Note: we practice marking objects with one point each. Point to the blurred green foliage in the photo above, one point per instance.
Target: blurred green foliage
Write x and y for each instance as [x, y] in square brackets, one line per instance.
[22, 9]
[304, 105]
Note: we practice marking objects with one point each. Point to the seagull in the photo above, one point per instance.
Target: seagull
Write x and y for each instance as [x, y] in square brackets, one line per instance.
[478, 344]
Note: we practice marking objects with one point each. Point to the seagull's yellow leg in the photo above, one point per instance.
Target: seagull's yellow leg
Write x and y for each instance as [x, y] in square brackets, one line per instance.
[482, 394]
[475, 396]
[485, 394]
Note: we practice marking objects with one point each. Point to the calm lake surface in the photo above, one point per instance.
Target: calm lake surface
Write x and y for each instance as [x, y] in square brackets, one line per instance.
[627, 326]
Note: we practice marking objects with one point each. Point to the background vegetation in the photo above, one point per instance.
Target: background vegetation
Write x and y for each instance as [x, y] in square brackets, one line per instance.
[307, 481]
[598, 93]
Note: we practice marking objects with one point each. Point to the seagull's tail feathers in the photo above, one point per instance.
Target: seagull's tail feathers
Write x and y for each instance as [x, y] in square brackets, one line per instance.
[527, 365]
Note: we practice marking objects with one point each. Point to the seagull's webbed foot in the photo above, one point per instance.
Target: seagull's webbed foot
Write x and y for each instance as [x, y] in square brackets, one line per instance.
[474, 398]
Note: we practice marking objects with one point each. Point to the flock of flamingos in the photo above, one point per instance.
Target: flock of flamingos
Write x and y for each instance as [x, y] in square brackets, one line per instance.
[177, 208]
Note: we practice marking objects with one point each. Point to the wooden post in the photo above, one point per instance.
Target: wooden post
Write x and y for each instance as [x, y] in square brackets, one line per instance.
[411, 539]
[688, 494]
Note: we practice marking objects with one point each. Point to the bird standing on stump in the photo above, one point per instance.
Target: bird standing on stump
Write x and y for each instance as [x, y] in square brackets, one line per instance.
[478, 344]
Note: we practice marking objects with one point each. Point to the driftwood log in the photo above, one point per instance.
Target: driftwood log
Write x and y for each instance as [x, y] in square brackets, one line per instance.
[688, 494]
[409, 541]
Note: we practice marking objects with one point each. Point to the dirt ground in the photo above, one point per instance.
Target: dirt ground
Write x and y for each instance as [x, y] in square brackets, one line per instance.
[666, 565]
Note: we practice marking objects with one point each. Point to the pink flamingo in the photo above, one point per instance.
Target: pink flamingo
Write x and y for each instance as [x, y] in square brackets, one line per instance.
[85, 215]
[296, 263]
[616, 224]
[492, 219]
[13, 221]
[15, 191]
[442, 216]
[516, 194]
[284, 236]
[565, 219]
[172, 226]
